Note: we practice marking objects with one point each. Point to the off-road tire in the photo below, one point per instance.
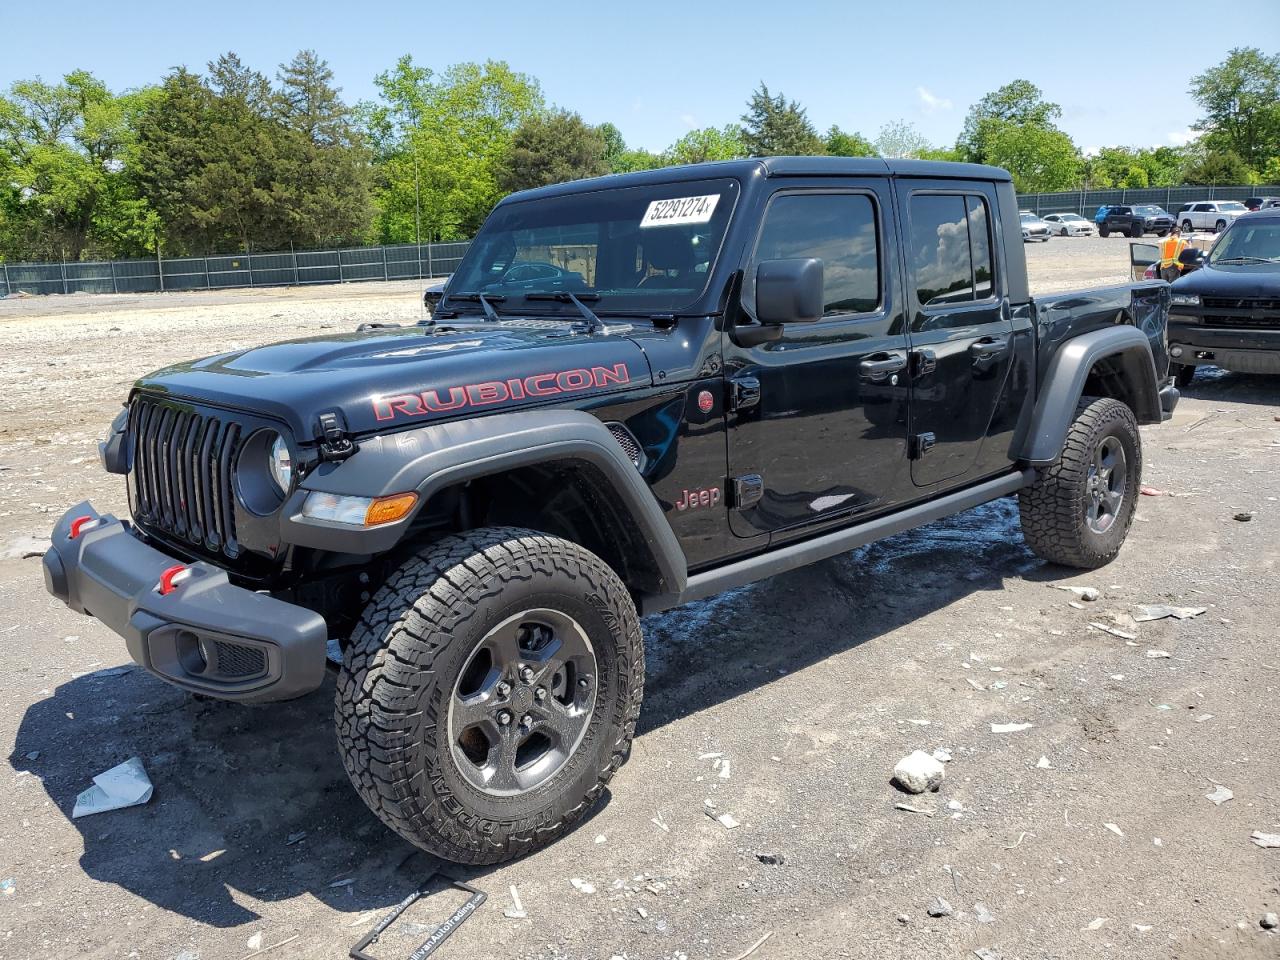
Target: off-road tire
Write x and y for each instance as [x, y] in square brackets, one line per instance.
[1053, 509]
[1104, 231]
[1220, 226]
[1183, 373]
[1136, 232]
[1187, 227]
[399, 671]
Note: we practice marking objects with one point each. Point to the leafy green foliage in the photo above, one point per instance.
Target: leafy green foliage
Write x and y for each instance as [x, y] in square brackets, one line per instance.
[1020, 103]
[552, 148]
[775, 126]
[1240, 98]
[708, 144]
[899, 138]
[838, 143]
[1219, 167]
[1041, 159]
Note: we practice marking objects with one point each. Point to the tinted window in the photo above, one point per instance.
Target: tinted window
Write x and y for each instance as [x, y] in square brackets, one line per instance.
[1202, 207]
[838, 229]
[950, 249]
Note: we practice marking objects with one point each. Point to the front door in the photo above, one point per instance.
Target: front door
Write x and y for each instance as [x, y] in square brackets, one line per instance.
[820, 412]
[961, 328]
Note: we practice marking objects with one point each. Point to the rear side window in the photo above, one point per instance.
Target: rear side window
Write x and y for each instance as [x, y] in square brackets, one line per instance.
[837, 228]
[951, 249]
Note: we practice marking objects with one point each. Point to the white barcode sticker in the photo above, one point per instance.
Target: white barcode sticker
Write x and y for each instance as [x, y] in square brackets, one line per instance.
[667, 213]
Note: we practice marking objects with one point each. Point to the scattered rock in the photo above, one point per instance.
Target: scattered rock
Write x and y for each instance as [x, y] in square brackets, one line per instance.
[254, 942]
[1160, 611]
[1084, 593]
[1114, 631]
[726, 820]
[771, 859]
[942, 756]
[939, 908]
[1043, 764]
[1096, 923]
[1219, 796]
[1151, 492]
[910, 809]
[1158, 654]
[987, 953]
[1114, 829]
[517, 911]
[904, 918]
[582, 886]
[982, 914]
[918, 772]
[1265, 840]
[1244, 517]
[293, 838]
[1269, 921]
[1010, 727]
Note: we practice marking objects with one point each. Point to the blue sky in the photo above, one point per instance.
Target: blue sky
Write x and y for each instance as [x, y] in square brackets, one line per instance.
[658, 69]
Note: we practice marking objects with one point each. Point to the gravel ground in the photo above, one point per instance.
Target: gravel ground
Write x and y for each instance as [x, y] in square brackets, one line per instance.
[785, 704]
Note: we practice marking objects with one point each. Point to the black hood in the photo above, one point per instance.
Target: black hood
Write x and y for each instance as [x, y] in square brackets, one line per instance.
[1242, 280]
[395, 377]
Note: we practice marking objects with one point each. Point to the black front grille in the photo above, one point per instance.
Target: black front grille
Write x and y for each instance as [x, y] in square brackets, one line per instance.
[1243, 322]
[237, 661]
[1244, 303]
[182, 473]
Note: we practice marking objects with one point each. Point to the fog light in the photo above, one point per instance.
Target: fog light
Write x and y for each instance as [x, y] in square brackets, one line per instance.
[1175, 351]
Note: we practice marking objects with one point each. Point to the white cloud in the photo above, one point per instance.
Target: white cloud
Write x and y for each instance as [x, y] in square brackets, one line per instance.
[930, 102]
[1180, 138]
[689, 120]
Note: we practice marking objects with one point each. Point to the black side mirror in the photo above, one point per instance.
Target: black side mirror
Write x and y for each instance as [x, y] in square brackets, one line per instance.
[1192, 259]
[789, 291]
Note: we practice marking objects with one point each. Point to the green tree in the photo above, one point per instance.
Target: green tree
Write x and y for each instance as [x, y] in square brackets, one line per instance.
[899, 138]
[440, 142]
[838, 143]
[1020, 103]
[707, 145]
[325, 169]
[1041, 159]
[62, 152]
[1219, 167]
[1240, 98]
[552, 148]
[776, 126]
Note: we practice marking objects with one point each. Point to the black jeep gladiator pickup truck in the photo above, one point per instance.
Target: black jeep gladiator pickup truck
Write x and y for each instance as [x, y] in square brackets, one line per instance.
[636, 391]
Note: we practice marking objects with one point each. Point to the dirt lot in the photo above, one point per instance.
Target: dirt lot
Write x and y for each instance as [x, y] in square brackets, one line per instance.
[1087, 834]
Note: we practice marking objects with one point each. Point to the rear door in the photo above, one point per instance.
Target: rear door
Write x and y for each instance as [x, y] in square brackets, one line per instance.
[960, 324]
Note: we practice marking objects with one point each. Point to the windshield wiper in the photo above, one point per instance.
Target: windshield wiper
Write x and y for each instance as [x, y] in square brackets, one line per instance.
[1247, 260]
[595, 324]
[486, 301]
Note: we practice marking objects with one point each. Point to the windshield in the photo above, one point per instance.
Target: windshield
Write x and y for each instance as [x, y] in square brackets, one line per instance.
[1258, 242]
[1233, 207]
[1029, 218]
[1148, 210]
[630, 250]
[1071, 216]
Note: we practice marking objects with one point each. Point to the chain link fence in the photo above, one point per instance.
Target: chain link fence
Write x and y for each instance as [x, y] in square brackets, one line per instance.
[281, 269]
[1086, 202]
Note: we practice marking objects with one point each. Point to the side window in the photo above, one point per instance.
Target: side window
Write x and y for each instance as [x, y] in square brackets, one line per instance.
[837, 228]
[951, 257]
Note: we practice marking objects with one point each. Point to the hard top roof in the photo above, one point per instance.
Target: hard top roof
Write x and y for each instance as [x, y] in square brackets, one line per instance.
[777, 167]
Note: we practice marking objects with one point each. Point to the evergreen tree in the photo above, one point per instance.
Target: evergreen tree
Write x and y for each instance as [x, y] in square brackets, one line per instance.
[775, 126]
[553, 148]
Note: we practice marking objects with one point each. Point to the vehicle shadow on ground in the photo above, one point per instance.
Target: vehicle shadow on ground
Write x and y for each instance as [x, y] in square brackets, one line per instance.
[1214, 383]
[254, 800]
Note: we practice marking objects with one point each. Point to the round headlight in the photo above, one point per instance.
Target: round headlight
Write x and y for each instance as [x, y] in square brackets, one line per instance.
[281, 465]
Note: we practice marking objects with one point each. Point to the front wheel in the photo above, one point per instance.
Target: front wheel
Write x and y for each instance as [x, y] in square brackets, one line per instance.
[1079, 510]
[1183, 374]
[1220, 226]
[1135, 231]
[1104, 231]
[1187, 227]
[490, 692]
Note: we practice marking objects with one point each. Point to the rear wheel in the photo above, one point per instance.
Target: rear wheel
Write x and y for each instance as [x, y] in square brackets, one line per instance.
[1079, 510]
[1135, 231]
[490, 692]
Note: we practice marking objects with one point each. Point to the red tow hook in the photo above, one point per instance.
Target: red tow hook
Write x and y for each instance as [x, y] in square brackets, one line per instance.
[170, 579]
[82, 523]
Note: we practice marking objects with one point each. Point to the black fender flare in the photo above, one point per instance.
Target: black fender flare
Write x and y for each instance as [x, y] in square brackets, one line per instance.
[1064, 383]
[430, 458]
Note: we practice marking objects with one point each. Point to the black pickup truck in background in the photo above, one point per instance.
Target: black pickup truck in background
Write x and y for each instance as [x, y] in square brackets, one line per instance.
[1226, 313]
[634, 392]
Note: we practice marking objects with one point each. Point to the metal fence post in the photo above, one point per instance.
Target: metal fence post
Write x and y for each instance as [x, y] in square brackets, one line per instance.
[341, 278]
[114, 287]
[431, 269]
[250, 258]
[8, 289]
[62, 266]
[294, 253]
[159, 268]
[384, 264]
[207, 281]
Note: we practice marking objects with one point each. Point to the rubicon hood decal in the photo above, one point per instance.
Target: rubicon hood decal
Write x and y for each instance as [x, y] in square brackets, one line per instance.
[443, 400]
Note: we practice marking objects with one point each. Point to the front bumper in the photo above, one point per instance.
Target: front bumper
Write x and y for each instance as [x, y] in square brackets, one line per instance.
[207, 635]
[1242, 351]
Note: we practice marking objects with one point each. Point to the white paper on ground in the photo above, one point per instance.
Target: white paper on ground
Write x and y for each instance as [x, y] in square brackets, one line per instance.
[126, 785]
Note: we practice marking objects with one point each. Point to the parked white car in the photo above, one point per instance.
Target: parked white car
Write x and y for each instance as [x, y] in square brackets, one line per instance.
[1069, 225]
[1215, 215]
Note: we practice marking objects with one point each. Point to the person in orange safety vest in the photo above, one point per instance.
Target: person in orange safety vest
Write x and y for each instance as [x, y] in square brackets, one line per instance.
[1170, 248]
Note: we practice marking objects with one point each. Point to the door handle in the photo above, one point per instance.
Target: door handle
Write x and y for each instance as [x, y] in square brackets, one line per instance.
[880, 366]
[988, 348]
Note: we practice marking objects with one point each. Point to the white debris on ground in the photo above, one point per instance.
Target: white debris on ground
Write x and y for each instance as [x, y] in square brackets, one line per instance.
[1010, 727]
[918, 772]
[1084, 593]
[1161, 611]
[1219, 795]
[125, 785]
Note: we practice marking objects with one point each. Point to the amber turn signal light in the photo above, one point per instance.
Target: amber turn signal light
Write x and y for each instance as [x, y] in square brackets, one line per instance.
[389, 509]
